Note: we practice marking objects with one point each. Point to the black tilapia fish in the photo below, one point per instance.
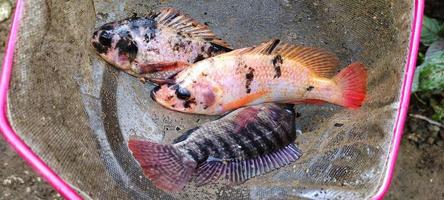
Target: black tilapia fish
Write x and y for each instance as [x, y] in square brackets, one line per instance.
[245, 143]
[158, 45]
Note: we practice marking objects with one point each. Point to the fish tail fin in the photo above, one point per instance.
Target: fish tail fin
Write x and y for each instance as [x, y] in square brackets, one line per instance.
[164, 165]
[352, 83]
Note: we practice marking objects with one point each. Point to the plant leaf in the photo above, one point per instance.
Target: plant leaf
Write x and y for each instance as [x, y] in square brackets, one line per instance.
[431, 29]
[430, 75]
[420, 59]
[438, 109]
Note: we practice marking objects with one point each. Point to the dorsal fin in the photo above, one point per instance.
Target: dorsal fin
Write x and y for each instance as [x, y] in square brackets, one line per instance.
[266, 47]
[183, 23]
[321, 61]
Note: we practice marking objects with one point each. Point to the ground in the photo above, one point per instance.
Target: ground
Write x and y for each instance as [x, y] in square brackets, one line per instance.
[418, 172]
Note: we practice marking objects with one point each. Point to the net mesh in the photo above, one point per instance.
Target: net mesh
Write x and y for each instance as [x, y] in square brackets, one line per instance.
[77, 113]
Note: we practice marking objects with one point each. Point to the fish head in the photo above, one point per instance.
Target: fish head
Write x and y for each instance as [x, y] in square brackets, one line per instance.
[199, 97]
[114, 42]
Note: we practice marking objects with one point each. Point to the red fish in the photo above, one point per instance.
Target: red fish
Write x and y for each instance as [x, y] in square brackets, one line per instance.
[158, 45]
[270, 72]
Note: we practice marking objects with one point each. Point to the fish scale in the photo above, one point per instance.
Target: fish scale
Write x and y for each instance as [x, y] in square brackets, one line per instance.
[240, 145]
[270, 72]
[156, 46]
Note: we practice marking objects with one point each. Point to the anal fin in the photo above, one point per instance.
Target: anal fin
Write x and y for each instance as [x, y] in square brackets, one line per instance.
[244, 100]
[238, 171]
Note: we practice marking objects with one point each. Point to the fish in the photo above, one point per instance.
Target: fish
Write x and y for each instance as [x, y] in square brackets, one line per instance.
[156, 46]
[242, 144]
[271, 72]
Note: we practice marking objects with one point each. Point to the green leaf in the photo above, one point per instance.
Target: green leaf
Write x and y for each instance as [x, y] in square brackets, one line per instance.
[415, 84]
[420, 59]
[438, 109]
[431, 30]
[429, 76]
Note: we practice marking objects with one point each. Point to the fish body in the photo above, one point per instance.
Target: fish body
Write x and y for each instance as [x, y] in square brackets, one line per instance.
[271, 72]
[158, 45]
[242, 144]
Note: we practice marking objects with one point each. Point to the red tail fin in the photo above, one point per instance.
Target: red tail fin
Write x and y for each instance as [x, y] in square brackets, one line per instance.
[352, 82]
[165, 166]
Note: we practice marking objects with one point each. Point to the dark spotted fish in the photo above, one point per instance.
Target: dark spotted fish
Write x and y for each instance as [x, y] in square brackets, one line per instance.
[242, 144]
[158, 45]
[271, 72]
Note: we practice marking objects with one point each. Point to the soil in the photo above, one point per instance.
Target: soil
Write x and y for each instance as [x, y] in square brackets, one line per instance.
[418, 173]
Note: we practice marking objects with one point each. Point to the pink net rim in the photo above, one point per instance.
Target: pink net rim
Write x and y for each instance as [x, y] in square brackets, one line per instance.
[68, 192]
[415, 36]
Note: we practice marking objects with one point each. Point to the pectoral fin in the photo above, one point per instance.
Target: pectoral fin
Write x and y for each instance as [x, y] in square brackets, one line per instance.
[158, 67]
[244, 100]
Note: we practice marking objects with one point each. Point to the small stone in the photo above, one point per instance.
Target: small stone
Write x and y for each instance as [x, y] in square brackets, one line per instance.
[434, 134]
[5, 10]
[412, 126]
[414, 137]
[433, 128]
[423, 145]
[7, 182]
[430, 140]
[440, 143]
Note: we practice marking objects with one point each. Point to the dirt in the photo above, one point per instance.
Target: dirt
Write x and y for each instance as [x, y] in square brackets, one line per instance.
[419, 170]
[18, 181]
[418, 173]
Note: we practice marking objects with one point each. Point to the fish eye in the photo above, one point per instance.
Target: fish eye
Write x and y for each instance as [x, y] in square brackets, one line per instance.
[105, 38]
[183, 93]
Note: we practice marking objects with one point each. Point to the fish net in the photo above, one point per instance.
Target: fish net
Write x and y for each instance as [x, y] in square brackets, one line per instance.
[77, 113]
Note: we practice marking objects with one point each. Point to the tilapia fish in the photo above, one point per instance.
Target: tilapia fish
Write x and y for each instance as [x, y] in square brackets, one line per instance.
[158, 45]
[270, 72]
[242, 144]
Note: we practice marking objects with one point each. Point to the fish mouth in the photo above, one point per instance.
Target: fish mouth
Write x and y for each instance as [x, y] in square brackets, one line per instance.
[153, 93]
[95, 34]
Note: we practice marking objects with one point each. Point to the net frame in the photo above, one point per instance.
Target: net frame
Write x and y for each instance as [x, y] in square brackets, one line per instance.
[68, 192]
